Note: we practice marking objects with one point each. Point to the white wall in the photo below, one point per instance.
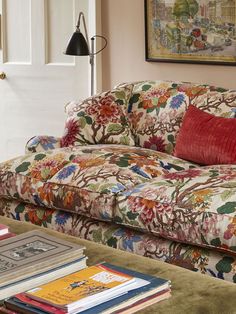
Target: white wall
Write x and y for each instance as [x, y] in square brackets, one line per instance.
[124, 59]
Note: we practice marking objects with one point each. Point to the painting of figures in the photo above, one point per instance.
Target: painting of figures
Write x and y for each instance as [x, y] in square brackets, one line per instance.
[192, 31]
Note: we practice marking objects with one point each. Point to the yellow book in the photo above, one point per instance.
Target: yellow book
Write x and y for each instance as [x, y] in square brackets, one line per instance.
[78, 289]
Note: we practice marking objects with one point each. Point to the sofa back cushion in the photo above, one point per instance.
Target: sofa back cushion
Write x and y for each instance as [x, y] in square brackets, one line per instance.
[100, 119]
[147, 114]
[156, 109]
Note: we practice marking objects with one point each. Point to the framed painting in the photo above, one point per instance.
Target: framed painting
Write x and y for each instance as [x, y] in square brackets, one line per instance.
[191, 31]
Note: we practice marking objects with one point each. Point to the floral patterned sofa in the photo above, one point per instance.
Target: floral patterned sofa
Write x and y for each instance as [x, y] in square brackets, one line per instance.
[113, 178]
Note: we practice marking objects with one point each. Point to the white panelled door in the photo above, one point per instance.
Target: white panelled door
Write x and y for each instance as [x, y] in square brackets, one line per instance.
[39, 78]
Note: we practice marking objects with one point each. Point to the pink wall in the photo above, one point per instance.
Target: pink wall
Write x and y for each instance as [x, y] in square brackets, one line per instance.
[124, 59]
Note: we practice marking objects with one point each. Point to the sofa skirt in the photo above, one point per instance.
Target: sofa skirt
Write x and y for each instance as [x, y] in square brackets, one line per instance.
[198, 259]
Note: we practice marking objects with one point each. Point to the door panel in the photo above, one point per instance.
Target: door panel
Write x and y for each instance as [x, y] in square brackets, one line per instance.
[19, 12]
[40, 79]
[58, 29]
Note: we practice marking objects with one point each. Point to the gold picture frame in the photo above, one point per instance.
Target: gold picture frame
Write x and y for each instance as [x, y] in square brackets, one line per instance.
[191, 31]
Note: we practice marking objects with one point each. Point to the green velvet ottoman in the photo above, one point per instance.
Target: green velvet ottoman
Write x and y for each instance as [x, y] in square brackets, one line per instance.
[191, 292]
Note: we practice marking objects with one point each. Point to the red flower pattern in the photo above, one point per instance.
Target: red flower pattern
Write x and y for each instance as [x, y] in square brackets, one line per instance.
[105, 111]
[181, 175]
[155, 143]
[147, 208]
[71, 130]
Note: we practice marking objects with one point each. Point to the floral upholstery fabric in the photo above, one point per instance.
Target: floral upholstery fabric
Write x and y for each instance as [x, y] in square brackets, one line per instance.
[147, 114]
[101, 119]
[140, 188]
[218, 101]
[202, 260]
[41, 143]
[195, 206]
[156, 109]
[142, 198]
[84, 180]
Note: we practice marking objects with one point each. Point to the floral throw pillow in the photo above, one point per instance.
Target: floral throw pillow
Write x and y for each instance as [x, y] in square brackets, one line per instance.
[100, 119]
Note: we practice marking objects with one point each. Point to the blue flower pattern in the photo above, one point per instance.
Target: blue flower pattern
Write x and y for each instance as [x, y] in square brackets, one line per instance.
[177, 101]
[66, 172]
[61, 218]
[128, 239]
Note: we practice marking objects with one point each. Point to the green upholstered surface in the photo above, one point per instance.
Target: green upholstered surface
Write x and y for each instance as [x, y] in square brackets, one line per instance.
[191, 292]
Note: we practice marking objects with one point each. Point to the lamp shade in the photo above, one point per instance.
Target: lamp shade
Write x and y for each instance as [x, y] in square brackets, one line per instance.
[77, 45]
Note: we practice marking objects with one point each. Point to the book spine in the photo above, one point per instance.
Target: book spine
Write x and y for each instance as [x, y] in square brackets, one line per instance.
[7, 235]
[23, 299]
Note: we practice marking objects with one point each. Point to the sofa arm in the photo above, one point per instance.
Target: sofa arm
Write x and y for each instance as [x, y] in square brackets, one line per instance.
[42, 143]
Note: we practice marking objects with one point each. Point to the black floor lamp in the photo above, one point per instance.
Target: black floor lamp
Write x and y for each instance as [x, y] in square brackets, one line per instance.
[79, 46]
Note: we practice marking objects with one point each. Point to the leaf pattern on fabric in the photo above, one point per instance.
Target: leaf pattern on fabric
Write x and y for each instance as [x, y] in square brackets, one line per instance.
[202, 260]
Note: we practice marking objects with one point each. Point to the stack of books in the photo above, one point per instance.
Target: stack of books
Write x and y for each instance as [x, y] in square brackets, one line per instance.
[42, 274]
[103, 288]
[34, 258]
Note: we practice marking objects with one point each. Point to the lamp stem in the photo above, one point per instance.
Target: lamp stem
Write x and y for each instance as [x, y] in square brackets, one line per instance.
[92, 54]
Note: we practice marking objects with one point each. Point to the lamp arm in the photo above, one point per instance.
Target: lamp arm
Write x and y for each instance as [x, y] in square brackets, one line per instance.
[94, 53]
[81, 15]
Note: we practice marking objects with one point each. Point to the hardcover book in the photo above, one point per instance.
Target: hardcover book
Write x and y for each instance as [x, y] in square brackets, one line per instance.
[23, 304]
[34, 252]
[39, 279]
[7, 235]
[3, 229]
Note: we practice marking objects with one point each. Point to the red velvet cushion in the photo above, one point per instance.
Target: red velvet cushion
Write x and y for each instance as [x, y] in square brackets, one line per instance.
[206, 139]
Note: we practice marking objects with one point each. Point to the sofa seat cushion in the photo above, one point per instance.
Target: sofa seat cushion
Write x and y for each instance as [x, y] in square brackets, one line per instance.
[85, 179]
[196, 206]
